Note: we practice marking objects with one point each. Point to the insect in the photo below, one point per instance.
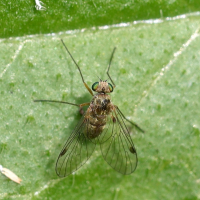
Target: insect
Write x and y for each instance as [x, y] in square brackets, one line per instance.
[103, 123]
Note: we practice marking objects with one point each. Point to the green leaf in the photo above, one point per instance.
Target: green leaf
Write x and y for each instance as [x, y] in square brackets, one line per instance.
[156, 70]
[19, 18]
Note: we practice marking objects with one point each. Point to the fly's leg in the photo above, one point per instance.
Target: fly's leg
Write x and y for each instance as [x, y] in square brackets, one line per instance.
[64, 102]
[109, 67]
[134, 124]
[81, 111]
[81, 107]
[54, 101]
[87, 87]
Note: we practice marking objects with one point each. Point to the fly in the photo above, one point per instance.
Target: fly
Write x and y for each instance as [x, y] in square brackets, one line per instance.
[102, 123]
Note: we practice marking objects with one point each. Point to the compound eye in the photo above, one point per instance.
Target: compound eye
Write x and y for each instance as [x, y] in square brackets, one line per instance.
[95, 86]
[110, 87]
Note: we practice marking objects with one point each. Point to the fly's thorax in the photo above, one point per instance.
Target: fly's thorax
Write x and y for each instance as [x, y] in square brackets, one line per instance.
[101, 104]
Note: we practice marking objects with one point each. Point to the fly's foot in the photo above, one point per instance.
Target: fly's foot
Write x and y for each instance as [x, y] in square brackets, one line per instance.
[81, 111]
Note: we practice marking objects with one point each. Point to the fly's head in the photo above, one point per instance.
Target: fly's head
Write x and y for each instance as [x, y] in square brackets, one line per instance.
[102, 87]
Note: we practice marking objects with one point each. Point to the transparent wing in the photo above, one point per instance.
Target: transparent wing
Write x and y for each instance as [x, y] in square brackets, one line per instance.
[116, 144]
[76, 151]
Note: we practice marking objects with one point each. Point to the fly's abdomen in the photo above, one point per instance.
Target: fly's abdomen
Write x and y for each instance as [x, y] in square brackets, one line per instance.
[95, 126]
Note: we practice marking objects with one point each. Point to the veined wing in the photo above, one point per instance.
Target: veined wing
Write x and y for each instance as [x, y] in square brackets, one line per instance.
[116, 144]
[76, 151]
